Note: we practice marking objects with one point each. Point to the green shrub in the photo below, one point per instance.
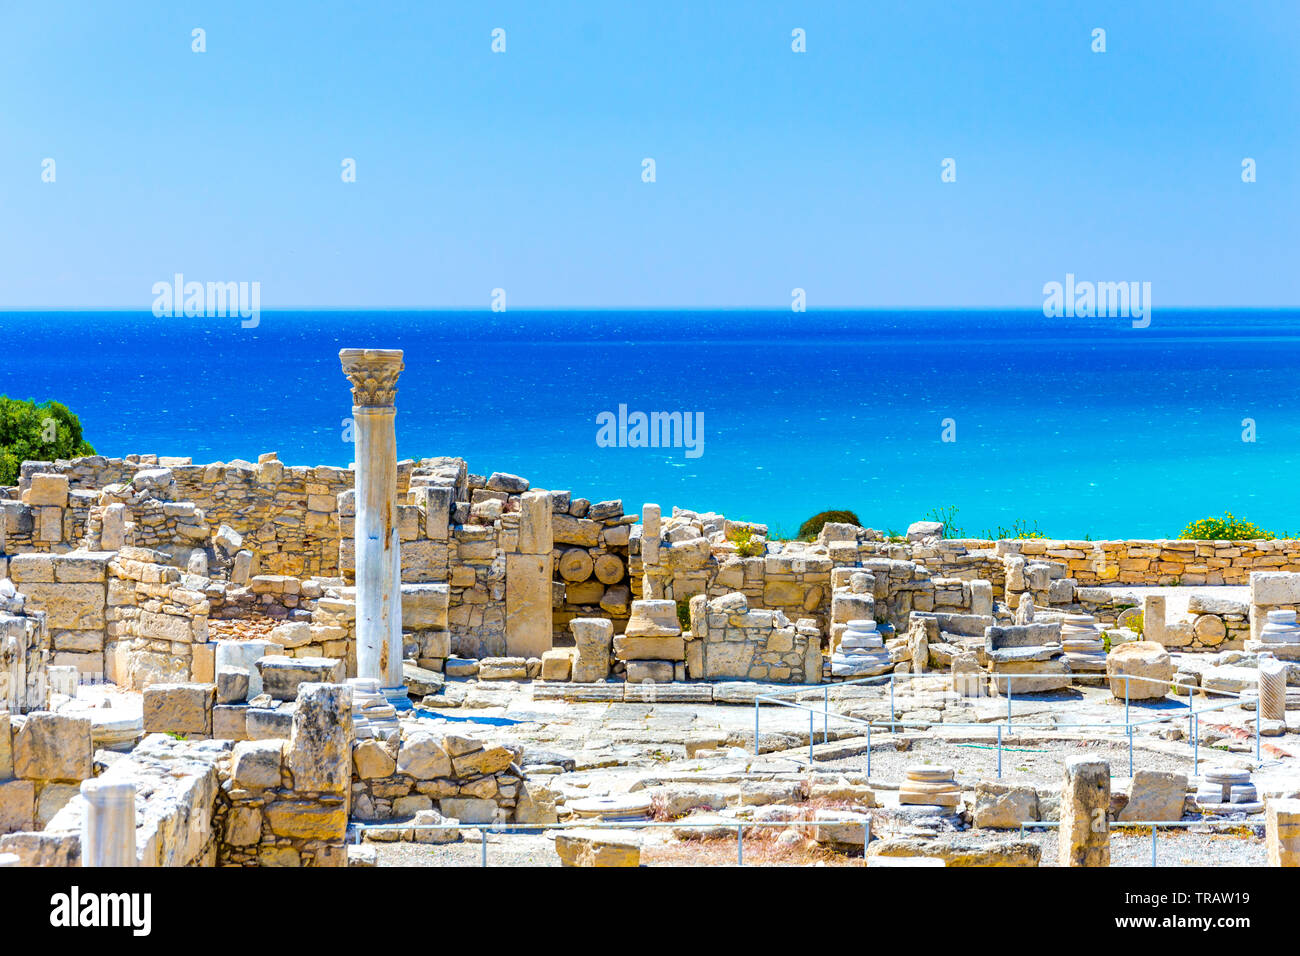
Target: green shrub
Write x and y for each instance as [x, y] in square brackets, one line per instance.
[32, 432]
[813, 526]
[1226, 528]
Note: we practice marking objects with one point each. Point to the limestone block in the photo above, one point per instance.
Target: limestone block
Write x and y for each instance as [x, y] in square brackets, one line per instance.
[53, 747]
[468, 809]
[374, 759]
[47, 489]
[424, 607]
[1155, 795]
[179, 708]
[582, 847]
[535, 523]
[649, 648]
[1004, 806]
[243, 826]
[422, 757]
[582, 532]
[319, 754]
[73, 607]
[1274, 587]
[528, 604]
[650, 672]
[17, 806]
[653, 619]
[264, 723]
[957, 852]
[292, 634]
[230, 722]
[308, 820]
[232, 685]
[255, 764]
[1085, 802]
[52, 798]
[841, 829]
[245, 654]
[1136, 660]
[503, 668]
[281, 676]
[557, 664]
[1282, 832]
[481, 762]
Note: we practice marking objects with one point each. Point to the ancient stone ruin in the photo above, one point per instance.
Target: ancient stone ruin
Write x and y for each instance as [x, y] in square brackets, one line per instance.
[266, 664]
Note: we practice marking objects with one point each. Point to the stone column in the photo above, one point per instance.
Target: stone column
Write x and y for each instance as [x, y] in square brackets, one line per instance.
[1085, 801]
[1272, 688]
[108, 826]
[373, 374]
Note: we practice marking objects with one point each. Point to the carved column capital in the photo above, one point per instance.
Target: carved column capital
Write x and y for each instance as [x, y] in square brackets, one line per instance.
[373, 374]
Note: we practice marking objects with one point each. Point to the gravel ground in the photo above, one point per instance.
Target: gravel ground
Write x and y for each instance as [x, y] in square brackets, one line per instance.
[1127, 849]
[1032, 762]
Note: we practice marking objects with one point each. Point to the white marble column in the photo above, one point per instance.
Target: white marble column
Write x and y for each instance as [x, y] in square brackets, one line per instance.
[373, 373]
[108, 826]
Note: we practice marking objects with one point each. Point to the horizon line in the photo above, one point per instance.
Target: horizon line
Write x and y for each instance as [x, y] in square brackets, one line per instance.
[639, 308]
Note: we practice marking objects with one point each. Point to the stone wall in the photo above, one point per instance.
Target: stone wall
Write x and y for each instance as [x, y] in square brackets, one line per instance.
[43, 758]
[72, 590]
[286, 802]
[176, 785]
[728, 639]
[462, 778]
[156, 622]
[24, 656]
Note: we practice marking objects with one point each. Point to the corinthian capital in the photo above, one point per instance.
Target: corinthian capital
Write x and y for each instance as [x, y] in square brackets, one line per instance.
[373, 374]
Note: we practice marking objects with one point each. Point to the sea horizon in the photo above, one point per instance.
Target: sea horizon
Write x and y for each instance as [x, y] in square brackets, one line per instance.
[1076, 427]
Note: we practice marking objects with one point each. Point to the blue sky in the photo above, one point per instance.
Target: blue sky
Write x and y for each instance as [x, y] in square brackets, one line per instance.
[775, 170]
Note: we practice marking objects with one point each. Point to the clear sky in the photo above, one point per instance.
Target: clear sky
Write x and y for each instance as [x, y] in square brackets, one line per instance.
[523, 170]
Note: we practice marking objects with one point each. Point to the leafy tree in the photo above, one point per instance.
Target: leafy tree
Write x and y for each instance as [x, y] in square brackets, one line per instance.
[32, 432]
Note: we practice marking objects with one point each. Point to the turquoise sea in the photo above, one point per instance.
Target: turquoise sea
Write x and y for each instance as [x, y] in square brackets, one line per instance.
[1084, 426]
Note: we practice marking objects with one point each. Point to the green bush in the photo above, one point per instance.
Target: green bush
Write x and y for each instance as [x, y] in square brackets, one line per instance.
[1226, 528]
[32, 432]
[813, 526]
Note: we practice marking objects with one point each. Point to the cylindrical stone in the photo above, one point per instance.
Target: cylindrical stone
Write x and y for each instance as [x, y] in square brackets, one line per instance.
[108, 825]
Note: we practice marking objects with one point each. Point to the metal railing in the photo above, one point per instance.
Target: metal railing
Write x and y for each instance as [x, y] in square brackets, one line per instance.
[1193, 715]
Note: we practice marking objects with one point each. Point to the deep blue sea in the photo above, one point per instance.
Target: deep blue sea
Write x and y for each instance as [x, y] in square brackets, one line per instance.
[1084, 426]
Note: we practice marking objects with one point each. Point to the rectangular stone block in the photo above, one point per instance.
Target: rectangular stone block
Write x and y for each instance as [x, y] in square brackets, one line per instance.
[424, 606]
[17, 806]
[653, 672]
[535, 513]
[230, 722]
[649, 648]
[281, 676]
[179, 708]
[1282, 832]
[71, 607]
[528, 604]
[47, 489]
[53, 747]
